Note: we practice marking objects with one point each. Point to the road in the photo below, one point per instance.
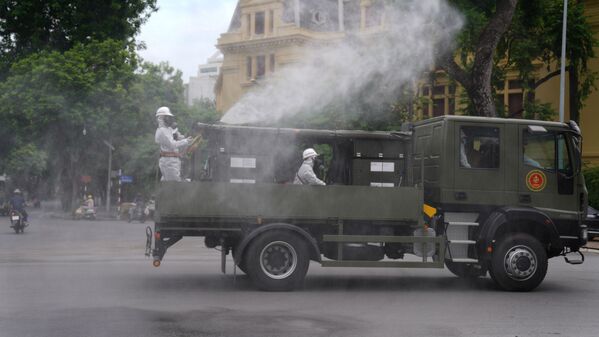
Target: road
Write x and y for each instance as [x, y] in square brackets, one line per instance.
[69, 278]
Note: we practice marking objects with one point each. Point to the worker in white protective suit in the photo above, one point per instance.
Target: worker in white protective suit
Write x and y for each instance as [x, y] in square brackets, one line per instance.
[305, 175]
[171, 144]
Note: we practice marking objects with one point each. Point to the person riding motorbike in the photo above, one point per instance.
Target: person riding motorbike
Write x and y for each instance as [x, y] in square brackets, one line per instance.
[17, 203]
[171, 142]
[138, 211]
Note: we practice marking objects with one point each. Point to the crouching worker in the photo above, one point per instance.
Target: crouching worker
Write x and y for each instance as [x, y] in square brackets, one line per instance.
[305, 175]
[171, 144]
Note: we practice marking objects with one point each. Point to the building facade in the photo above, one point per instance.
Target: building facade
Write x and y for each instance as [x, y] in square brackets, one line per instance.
[202, 86]
[265, 35]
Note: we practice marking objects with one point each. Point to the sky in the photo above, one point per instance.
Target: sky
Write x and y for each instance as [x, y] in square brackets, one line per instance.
[185, 32]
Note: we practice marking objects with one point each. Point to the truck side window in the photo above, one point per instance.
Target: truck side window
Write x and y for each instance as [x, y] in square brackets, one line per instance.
[539, 150]
[563, 155]
[479, 147]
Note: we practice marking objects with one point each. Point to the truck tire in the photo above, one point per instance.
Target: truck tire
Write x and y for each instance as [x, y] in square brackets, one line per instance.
[464, 270]
[519, 263]
[277, 260]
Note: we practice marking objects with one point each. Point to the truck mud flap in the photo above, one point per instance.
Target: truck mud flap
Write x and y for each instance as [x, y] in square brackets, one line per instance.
[161, 243]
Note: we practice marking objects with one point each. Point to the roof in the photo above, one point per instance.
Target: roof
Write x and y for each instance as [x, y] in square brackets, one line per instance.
[307, 133]
[491, 120]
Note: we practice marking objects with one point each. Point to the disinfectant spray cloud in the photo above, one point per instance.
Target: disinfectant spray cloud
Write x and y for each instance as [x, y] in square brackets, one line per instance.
[414, 32]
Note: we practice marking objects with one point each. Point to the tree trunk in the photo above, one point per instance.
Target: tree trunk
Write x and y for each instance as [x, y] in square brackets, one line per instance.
[477, 81]
[481, 98]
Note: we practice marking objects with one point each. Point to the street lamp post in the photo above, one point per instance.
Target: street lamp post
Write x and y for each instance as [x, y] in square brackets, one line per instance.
[562, 80]
[110, 149]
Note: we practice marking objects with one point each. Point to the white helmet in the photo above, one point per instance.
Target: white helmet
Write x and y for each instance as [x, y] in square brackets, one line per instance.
[17, 191]
[164, 111]
[309, 153]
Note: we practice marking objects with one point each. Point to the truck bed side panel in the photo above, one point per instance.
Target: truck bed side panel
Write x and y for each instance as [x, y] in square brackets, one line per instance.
[197, 200]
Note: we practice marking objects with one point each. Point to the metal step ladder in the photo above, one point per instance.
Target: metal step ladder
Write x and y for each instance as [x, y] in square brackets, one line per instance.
[457, 228]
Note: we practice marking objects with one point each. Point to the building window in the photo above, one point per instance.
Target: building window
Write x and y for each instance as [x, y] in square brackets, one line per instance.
[260, 66]
[442, 100]
[259, 24]
[439, 90]
[515, 105]
[515, 84]
[248, 19]
[272, 63]
[208, 70]
[248, 67]
[438, 107]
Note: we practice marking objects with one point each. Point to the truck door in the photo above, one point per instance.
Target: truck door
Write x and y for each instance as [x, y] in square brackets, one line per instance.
[545, 179]
[479, 164]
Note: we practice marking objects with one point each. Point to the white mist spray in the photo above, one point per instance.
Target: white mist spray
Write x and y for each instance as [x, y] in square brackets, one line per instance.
[414, 32]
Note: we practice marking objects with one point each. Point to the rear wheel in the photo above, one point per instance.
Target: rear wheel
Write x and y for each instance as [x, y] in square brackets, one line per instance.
[519, 263]
[277, 261]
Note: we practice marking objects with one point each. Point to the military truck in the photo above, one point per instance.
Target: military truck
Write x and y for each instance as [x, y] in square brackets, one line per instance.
[472, 194]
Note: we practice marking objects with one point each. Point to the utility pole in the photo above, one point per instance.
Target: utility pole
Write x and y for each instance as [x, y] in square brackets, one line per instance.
[562, 80]
[110, 149]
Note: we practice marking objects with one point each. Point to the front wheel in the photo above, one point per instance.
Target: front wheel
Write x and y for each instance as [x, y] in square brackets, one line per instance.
[519, 263]
[277, 261]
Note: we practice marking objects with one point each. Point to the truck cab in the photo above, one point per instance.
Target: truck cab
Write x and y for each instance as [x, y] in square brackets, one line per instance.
[503, 176]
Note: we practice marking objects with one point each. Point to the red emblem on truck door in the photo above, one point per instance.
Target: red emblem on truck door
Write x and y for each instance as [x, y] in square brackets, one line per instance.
[536, 180]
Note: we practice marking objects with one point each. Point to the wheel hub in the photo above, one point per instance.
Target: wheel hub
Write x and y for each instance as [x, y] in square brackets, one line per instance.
[520, 263]
[278, 260]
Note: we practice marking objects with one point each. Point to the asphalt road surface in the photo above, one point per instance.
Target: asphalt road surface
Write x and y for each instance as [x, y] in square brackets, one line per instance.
[67, 278]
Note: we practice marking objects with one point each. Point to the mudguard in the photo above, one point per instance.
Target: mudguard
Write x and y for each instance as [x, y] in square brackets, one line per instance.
[511, 216]
[315, 251]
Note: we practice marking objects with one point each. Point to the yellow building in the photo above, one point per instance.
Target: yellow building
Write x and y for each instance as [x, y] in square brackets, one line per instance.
[265, 35]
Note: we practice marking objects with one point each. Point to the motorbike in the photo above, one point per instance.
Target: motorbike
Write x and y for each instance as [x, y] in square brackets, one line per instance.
[83, 212]
[138, 211]
[16, 222]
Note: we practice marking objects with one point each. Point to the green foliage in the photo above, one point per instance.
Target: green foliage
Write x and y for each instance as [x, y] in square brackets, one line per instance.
[534, 34]
[31, 26]
[591, 177]
[538, 110]
[25, 161]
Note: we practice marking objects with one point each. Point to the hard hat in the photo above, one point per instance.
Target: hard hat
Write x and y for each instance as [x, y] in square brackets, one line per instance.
[164, 111]
[308, 153]
[17, 191]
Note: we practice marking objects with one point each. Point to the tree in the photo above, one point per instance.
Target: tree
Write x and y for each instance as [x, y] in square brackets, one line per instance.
[50, 98]
[486, 23]
[515, 35]
[30, 26]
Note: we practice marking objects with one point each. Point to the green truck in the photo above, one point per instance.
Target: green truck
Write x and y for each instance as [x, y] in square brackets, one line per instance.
[472, 194]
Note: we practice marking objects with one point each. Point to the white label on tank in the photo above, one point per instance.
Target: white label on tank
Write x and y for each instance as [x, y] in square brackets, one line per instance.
[375, 184]
[242, 162]
[243, 181]
[377, 166]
